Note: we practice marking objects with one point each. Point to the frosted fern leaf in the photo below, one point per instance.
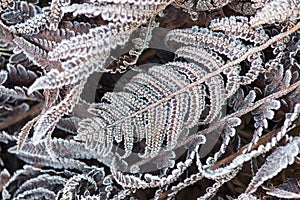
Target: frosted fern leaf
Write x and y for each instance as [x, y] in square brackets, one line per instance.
[277, 161]
[164, 122]
[85, 56]
[276, 11]
[261, 117]
[52, 115]
[34, 183]
[229, 45]
[206, 5]
[288, 189]
[116, 12]
[239, 27]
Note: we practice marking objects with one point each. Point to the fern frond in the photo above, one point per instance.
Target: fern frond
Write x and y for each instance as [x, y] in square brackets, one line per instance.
[45, 180]
[163, 112]
[6, 39]
[43, 159]
[277, 161]
[96, 39]
[204, 38]
[37, 193]
[36, 54]
[75, 150]
[23, 176]
[85, 136]
[143, 90]
[261, 149]
[239, 27]
[56, 13]
[124, 13]
[20, 93]
[152, 181]
[228, 45]
[52, 115]
[20, 12]
[91, 59]
[208, 5]
[261, 117]
[276, 11]
[32, 25]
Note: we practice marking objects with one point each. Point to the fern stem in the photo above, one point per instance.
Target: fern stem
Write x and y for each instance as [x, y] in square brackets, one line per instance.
[4, 54]
[4, 49]
[210, 75]
[262, 141]
[248, 109]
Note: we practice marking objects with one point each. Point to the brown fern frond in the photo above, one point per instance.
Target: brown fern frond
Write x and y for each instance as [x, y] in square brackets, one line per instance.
[36, 54]
[56, 13]
[54, 113]
[20, 12]
[32, 25]
[6, 40]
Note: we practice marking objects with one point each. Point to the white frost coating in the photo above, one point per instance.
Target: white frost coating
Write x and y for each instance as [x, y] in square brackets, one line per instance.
[3, 76]
[245, 196]
[53, 115]
[276, 162]
[276, 192]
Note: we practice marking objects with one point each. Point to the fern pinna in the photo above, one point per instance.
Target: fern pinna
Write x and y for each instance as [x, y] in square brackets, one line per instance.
[217, 112]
